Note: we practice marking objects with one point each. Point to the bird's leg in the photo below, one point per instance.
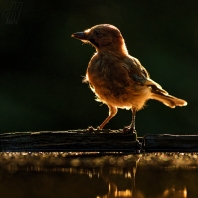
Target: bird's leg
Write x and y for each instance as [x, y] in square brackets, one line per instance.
[112, 113]
[131, 127]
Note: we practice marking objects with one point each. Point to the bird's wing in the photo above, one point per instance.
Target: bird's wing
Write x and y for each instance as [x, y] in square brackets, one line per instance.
[136, 71]
[140, 76]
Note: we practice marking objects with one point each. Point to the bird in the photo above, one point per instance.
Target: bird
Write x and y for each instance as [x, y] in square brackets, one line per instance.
[118, 79]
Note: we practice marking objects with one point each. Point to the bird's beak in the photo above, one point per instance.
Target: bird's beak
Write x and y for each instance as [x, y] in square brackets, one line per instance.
[79, 35]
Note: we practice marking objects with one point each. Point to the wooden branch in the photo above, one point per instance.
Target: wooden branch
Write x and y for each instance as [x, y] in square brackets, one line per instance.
[170, 143]
[76, 140]
[95, 141]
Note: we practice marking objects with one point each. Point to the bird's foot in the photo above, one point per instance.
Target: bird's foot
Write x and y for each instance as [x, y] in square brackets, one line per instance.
[129, 130]
[90, 129]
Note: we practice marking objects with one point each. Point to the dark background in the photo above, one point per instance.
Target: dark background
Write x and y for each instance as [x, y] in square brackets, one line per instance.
[41, 66]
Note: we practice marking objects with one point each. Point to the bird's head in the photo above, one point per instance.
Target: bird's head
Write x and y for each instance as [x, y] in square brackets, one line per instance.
[103, 37]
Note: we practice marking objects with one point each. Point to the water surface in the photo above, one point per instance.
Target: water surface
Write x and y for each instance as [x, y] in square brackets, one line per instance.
[96, 175]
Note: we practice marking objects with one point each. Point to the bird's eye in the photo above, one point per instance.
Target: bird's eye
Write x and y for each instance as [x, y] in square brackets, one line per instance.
[97, 33]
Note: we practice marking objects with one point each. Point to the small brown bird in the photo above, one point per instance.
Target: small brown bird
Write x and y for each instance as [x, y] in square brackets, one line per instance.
[118, 79]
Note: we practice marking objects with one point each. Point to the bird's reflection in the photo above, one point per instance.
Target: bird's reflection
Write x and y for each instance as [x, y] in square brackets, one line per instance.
[114, 191]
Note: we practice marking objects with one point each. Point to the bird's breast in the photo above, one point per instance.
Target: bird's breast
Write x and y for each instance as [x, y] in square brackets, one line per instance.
[113, 85]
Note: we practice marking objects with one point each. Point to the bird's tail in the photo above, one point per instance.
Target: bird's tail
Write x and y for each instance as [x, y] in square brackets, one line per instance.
[162, 95]
[169, 100]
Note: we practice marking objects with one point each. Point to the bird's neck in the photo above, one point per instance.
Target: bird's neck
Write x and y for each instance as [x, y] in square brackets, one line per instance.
[118, 49]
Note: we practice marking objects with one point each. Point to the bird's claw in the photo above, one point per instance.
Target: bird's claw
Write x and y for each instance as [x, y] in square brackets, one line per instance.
[91, 129]
[129, 130]
[98, 128]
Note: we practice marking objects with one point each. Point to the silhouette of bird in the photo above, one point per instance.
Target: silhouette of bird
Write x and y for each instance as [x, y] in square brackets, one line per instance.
[118, 79]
